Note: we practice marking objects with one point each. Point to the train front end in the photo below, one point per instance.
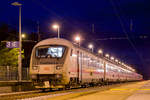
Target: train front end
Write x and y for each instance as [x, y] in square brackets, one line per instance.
[47, 66]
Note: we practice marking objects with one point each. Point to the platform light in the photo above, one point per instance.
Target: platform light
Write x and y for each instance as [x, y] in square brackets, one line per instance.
[116, 60]
[23, 35]
[90, 46]
[56, 26]
[100, 51]
[112, 58]
[78, 39]
[107, 55]
[20, 42]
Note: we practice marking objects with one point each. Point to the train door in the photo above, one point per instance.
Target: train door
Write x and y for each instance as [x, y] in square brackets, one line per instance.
[79, 66]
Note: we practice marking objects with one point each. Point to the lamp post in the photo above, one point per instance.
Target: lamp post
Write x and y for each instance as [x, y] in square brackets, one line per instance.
[23, 35]
[77, 39]
[112, 58]
[55, 26]
[20, 42]
[116, 60]
[107, 55]
[90, 47]
[100, 52]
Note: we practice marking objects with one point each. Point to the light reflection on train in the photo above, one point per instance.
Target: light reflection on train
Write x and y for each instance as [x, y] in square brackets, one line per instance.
[58, 63]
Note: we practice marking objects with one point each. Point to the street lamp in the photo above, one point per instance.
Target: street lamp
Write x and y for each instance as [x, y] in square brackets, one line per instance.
[119, 62]
[77, 39]
[20, 41]
[107, 55]
[112, 58]
[100, 52]
[91, 46]
[23, 35]
[122, 64]
[55, 26]
[116, 60]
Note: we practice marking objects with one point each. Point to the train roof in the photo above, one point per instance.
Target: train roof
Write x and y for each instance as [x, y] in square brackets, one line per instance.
[54, 41]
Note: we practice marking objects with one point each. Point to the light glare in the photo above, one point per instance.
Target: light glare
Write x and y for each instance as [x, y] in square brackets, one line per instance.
[55, 26]
[107, 55]
[77, 38]
[90, 46]
[100, 51]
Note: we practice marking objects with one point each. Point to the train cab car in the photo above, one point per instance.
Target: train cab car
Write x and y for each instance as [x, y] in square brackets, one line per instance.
[49, 61]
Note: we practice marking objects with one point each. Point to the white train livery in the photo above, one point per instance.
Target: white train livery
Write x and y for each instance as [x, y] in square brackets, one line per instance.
[58, 63]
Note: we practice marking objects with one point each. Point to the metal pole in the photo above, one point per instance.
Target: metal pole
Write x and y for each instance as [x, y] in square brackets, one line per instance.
[92, 28]
[58, 32]
[20, 46]
[38, 31]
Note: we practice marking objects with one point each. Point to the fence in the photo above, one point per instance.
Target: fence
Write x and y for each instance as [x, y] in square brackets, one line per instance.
[8, 73]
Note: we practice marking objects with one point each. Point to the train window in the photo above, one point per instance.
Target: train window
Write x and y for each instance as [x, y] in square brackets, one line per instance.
[50, 51]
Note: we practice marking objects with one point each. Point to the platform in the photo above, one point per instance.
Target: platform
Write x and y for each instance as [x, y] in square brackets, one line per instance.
[126, 91]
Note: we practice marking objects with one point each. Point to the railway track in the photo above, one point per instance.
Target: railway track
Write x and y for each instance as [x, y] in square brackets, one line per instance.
[39, 95]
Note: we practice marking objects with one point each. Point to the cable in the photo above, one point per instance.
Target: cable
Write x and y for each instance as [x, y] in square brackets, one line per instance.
[124, 30]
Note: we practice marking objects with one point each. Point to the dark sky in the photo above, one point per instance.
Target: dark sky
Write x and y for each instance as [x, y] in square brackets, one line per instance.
[111, 18]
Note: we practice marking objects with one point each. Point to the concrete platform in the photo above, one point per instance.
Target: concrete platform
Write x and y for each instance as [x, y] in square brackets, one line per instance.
[127, 91]
[142, 94]
[14, 85]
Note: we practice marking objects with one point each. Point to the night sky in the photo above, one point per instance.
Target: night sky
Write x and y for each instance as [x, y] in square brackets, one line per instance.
[112, 21]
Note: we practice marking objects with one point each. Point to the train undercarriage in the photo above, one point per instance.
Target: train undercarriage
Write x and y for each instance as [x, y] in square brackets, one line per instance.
[56, 81]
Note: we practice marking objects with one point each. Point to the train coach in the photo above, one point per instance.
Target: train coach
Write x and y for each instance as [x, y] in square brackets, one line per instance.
[58, 63]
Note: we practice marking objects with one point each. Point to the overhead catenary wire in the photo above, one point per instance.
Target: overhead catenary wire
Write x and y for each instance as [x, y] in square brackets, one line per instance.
[124, 30]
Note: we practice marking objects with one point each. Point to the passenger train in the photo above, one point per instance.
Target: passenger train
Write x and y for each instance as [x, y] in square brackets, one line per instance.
[58, 63]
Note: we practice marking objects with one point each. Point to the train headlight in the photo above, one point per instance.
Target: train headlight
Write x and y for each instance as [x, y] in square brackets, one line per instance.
[58, 67]
[35, 67]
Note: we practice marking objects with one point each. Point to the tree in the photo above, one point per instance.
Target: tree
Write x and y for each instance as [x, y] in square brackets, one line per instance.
[9, 57]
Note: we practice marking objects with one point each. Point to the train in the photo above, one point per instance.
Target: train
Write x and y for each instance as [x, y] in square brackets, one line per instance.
[59, 63]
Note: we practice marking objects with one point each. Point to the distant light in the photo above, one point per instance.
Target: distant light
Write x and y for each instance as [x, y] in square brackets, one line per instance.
[23, 35]
[112, 58]
[116, 60]
[55, 26]
[16, 4]
[100, 51]
[77, 38]
[107, 55]
[90, 46]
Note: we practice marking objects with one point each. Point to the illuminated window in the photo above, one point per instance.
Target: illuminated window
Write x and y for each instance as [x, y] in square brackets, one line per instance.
[52, 51]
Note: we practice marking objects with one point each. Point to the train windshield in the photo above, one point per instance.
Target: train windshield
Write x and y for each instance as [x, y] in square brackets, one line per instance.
[50, 51]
